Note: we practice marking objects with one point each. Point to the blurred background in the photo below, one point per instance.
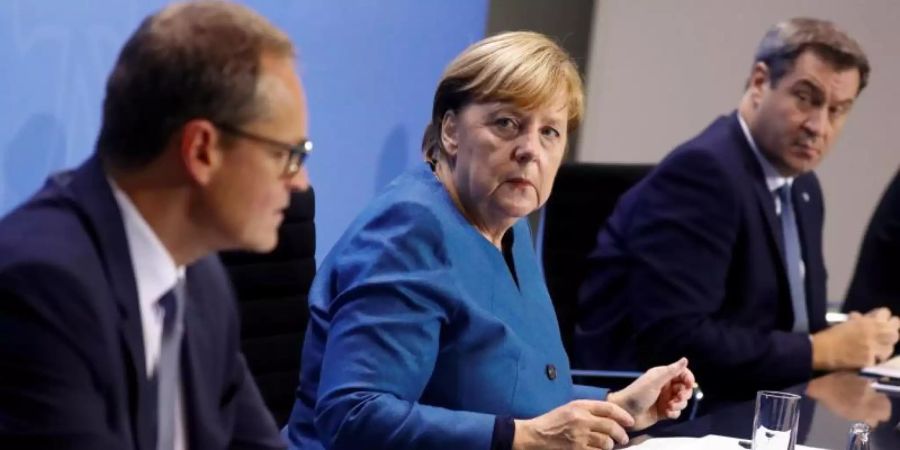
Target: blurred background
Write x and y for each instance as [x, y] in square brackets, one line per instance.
[656, 71]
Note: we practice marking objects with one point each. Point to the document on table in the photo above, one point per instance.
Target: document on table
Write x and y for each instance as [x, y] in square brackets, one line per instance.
[708, 442]
[889, 368]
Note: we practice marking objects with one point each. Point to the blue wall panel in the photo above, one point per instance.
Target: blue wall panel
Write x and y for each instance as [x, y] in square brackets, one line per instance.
[370, 68]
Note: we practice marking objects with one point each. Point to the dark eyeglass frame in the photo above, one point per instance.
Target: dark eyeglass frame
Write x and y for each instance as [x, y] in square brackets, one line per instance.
[297, 154]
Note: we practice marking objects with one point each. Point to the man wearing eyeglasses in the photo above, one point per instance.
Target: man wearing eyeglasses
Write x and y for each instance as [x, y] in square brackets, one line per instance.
[119, 328]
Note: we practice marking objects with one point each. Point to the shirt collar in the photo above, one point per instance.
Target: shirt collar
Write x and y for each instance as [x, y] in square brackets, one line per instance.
[774, 180]
[155, 272]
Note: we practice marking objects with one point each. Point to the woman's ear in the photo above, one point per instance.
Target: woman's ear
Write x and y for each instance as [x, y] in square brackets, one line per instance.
[449, 133]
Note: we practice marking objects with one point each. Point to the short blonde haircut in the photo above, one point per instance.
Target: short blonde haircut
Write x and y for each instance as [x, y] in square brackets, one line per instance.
[525, 68]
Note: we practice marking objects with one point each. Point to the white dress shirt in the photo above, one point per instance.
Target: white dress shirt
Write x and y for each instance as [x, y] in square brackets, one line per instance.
[155, 273]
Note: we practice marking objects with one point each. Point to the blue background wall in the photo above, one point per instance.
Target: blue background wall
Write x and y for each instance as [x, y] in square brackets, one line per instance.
[370, 69]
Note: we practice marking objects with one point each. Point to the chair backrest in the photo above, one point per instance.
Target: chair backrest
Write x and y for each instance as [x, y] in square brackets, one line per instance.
[272, 293]
[584, 195]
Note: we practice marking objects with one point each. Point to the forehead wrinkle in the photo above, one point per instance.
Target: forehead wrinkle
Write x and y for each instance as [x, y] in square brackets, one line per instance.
[810, 82]
[844, 79]
[523, 108]
[824, 75]
[828, 90]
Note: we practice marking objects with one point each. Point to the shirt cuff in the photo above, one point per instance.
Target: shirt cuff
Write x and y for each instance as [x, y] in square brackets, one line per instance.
[504, 432]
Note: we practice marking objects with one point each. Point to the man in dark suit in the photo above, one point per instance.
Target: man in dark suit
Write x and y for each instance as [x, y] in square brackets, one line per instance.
[119, 327]
[717, 254]
[875, 282]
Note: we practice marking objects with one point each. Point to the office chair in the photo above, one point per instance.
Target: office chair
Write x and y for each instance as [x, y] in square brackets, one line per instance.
[272, 298]
[584, 195]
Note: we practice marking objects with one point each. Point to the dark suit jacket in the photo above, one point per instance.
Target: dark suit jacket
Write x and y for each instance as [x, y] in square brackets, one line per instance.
[689, 264]
[72, 365]
[875, 282]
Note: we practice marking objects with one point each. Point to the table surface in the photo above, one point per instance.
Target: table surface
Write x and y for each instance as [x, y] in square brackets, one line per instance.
[830, 404]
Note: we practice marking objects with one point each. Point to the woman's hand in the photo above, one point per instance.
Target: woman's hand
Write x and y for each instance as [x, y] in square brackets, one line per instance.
[660, 393]
[577, 425]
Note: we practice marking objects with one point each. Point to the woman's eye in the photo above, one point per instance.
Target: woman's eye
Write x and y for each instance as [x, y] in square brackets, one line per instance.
[551, 132]
[505, 123]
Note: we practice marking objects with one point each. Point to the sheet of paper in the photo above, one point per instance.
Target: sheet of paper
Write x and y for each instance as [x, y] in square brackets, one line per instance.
[670, 443]
[889, 368]
[891, 389]
[713, 441]
[709, 442]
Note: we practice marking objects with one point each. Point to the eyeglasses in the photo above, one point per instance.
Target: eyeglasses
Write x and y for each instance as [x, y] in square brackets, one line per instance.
[297, 154]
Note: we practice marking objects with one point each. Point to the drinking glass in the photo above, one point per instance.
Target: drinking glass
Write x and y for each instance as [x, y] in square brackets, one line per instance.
[775, 420]
[858, 437]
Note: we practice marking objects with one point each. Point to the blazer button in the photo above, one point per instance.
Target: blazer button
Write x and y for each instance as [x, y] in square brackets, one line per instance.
[551, 372]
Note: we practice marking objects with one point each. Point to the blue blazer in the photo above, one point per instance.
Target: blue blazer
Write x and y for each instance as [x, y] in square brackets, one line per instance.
[689, 264]
[72, 365]
[419, 336]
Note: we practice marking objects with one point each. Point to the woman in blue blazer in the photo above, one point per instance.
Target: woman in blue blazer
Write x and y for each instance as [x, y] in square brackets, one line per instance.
[430, 324]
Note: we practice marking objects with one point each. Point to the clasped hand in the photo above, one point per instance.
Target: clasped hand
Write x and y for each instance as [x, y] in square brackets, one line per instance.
[660, 393]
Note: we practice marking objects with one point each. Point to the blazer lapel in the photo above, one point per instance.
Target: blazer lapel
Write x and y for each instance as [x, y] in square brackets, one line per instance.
[764, 198]
[92, 191]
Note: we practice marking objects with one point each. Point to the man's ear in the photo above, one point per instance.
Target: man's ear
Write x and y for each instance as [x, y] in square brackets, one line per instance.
[199, 150]
[449, 133]
[758, 83]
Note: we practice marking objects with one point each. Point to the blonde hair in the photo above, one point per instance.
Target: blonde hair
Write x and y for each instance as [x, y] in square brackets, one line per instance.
[525, 68]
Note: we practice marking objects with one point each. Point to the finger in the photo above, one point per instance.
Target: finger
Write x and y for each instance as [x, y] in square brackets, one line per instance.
[868, 359]
[600, 441]
[685, 377]
[605, 426]
[882, 314]
[887, 337]
[659, 376]
[679, 399]
[677, 389]
[687, 382]
[894, 322]
[854, 315]
[883, 353]
[677, 405]
[890, 325]
[678, 366]
[885, 333]
[685, 394]
[610, 410]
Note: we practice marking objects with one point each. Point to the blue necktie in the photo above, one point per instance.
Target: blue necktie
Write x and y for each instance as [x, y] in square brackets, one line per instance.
[168, 368]
[792, 259]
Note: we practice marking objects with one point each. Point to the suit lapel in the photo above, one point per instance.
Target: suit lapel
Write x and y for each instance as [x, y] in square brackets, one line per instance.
[806, 198]
[92, 191]
[764, 199]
